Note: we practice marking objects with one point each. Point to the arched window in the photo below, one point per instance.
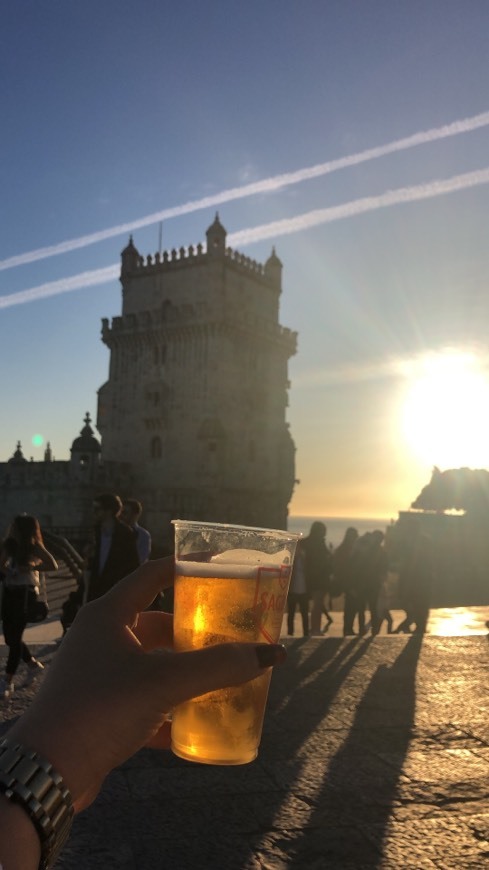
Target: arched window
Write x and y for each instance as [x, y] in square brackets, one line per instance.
[155, 447]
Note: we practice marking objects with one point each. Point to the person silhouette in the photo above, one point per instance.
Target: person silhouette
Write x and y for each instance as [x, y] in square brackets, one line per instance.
[318, 570]
[298, 596]
[22, 557]
[131, 511]
[113, 551]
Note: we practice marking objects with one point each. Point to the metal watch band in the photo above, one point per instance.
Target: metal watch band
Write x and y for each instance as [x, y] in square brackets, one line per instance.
[31, 781]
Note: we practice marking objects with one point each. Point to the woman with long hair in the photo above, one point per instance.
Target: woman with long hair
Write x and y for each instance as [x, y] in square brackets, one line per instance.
[22, 556]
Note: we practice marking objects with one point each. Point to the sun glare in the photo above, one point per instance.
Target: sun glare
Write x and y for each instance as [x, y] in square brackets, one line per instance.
[446, 411]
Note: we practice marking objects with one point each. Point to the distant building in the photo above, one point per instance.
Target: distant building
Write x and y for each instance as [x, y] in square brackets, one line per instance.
[193, 414]
[60, 492]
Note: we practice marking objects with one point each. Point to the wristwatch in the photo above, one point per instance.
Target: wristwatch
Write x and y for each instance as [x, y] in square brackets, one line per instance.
[33, 783]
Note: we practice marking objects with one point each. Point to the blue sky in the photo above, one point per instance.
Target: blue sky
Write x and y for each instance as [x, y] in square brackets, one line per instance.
[115, 111]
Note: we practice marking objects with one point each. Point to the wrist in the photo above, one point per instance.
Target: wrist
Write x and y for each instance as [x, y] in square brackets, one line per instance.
[20, 847]
[31, 784]
[54, 745]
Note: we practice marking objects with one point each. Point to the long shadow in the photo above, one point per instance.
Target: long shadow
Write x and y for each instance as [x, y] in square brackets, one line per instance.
[219, 815]
[170, 813]
[353, 808]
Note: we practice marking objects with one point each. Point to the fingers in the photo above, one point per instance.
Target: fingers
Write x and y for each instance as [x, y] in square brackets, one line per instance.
[190, 674]
[136, 591]
[154, 630]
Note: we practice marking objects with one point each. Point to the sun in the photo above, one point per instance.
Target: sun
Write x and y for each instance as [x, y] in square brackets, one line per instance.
[445, 414]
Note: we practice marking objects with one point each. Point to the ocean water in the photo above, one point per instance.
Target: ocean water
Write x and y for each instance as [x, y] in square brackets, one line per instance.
[337, 526]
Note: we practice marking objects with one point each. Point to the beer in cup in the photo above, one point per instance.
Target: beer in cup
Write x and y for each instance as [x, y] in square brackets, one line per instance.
[231, 585]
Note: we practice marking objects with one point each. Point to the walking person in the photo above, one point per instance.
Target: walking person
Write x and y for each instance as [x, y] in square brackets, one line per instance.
[131, 511]
[113, 553]
[369, 570]
[22, 557]
[318, 571]
[375, 577]
[341, 567]
[415, 583]
[298, 596]
[354, 586]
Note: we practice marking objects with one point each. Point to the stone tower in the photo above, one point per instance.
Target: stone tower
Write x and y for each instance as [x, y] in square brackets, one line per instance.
[196, 396]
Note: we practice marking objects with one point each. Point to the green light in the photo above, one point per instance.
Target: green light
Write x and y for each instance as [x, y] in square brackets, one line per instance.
[37, 440]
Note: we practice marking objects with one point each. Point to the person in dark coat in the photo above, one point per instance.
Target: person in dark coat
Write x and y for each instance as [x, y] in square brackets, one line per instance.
[113, 553]
[318, 571]
[416, 577]
[298, 596]
[353, 584]
[374, 575]
[341, 565]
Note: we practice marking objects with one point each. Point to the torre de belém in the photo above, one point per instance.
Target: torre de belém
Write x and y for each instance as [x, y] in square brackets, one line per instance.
[192, 417]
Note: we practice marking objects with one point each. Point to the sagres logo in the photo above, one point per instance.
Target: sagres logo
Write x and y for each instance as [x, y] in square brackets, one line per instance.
[270, 596]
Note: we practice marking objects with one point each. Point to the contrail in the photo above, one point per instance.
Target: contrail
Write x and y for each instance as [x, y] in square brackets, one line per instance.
[359, 206]
[266, 185]
[64, 285]
[276, 228]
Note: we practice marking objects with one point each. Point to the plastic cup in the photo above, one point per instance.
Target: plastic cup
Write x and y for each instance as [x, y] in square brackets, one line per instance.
[231, 584]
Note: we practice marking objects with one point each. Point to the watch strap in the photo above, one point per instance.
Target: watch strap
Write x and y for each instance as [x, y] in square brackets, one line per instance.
[32, 782]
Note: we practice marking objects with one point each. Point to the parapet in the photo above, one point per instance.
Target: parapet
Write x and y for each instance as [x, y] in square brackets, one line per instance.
[188, 316]
[135, 265]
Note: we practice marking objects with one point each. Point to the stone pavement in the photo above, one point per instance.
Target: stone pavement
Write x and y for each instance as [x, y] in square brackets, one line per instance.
[443, 621]
[375, 754]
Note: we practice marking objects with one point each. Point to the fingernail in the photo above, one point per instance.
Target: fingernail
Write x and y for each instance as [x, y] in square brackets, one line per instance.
[270, 654]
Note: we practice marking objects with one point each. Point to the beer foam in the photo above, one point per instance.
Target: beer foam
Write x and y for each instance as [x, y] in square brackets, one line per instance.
[241, 564]
[211, 569]
[253, 557]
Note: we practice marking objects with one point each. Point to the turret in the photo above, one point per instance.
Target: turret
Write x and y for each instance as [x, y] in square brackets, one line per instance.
[273, 270]
[130, 257]
[85, 450]
[216, 238]
[18, 458]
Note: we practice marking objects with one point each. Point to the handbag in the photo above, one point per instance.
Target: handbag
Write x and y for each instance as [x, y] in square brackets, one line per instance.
[36, 608]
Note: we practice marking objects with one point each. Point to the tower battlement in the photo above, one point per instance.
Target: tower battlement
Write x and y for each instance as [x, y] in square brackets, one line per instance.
[187, 256]
[135, 265]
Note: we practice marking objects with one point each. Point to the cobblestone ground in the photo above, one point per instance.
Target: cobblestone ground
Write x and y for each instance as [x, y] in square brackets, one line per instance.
[375, 754]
